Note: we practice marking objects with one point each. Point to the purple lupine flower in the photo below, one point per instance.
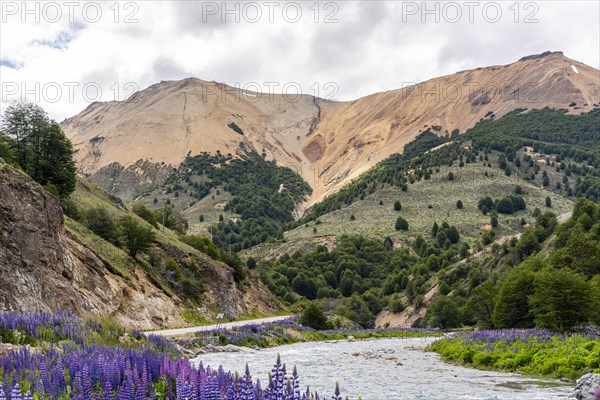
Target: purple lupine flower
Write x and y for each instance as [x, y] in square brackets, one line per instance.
[247, 392]
[28, 396]
[295, 385]
[16, 392]
[107, 390]
[126, 391]
[337, 395]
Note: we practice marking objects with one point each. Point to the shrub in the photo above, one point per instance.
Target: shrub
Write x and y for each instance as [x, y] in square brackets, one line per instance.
[459, 204]
[71, 210]
[401, 224]
[512, 305]
[395, 303]
[397, 206]
[144, 213]
[99, 221]
[494, 221]
[505, 206]
[486, 202]
[443, 313]
[136, 237]
[314, 317]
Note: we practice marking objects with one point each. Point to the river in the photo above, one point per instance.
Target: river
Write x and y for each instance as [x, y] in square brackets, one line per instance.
[387, 369]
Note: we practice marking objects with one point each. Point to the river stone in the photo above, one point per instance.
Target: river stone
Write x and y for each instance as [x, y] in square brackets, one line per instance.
[588, 388]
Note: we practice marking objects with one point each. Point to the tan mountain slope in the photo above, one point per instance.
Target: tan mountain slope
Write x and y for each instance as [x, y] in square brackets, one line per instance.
[329, 143]
[351, 137]
[166, 121]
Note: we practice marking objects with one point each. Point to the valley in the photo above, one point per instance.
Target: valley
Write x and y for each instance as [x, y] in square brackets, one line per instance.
[398, 215]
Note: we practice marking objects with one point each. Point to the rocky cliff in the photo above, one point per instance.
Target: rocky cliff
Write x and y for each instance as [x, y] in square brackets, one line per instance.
[43, 268]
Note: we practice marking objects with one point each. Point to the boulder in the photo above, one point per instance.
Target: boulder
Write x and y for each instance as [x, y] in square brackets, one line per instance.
[588, 388]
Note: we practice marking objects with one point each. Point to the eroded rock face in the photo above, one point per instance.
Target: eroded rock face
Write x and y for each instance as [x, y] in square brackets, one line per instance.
[588, 388]
[222, 293]
[44, 268]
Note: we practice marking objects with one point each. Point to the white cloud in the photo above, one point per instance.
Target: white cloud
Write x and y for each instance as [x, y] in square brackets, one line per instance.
[375, 46]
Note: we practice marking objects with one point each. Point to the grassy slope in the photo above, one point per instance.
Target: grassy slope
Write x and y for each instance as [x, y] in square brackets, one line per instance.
[469, 185]
[87, 196]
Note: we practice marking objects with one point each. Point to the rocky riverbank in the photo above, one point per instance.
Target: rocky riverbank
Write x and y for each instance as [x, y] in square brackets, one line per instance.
[588, 388]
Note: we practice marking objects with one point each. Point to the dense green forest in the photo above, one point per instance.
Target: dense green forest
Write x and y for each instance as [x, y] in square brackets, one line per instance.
[363, 276]
[548, 278]
[264, 195]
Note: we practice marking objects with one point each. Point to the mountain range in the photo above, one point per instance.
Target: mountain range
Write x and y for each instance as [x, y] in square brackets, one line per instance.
[327, 142]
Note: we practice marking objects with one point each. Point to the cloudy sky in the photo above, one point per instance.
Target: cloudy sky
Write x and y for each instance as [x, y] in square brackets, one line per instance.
[66, 54]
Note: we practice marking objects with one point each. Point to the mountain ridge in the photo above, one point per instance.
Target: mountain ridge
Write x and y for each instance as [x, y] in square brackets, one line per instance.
[328, 143]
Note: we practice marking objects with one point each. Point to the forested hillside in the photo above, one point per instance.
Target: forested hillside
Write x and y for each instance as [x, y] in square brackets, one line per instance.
[573, 138]
[433, 229]
[256, 198]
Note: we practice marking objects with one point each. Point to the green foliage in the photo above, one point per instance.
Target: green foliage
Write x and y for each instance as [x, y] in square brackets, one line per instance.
[397, 206]
[135, 237]
[401, 224]
[529, 243]
[360, 276]
[556, 357]
[506, 205]
[395, 303]
[548, 131]
[486, 203]
[99, 221]
[459, 205]
[512, 305]
[264, 195]
[552, 290]
[204, 245]
[595, 303]
[38, 146]
[314, 317]
[481, 304]
[422, 143]
[146, 214]
[357, 310]
[171, 219]
[251, 263]
[71, 209]
[443, 313]
[561, 299]
[6, 152]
